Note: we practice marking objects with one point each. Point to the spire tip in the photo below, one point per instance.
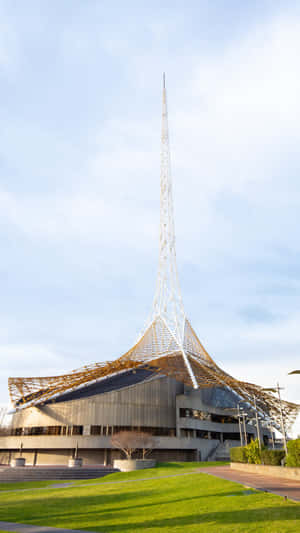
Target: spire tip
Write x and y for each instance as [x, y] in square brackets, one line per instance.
[164, 80]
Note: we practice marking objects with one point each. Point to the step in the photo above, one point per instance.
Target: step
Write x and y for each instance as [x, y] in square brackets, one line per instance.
[44, 474]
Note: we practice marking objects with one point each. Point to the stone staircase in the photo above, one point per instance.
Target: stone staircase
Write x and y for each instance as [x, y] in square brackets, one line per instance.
[43, 473]
[222, 451]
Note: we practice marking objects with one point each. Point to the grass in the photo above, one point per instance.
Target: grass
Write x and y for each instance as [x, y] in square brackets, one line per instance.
[164, 469]
[189, 503]
[28, 485]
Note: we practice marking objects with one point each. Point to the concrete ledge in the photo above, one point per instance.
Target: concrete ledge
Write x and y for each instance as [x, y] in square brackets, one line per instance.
[128, 465]
[75, 462]
[268, 470]
[18, 461]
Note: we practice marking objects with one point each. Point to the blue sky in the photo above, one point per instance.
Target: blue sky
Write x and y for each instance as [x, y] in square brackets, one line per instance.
[80, 105]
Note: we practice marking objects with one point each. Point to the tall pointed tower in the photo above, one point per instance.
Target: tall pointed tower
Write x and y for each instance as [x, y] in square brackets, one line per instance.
[168, 344]
[168, 332]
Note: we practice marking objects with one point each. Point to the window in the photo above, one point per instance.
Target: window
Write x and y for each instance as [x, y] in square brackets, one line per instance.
[77, 430]
[187, 433]
[95, 430]
[215, 435]
[231, 436]
[203, 415]
[201, 434]
[194, 413]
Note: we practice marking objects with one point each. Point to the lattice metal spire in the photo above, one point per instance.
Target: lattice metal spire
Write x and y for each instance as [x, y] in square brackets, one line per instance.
[168, 324]
[167, 300]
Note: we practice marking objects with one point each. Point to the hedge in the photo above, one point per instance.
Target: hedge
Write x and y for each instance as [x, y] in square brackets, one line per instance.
[293, 456]
[238, 454]
[272, 457]
[252, 454]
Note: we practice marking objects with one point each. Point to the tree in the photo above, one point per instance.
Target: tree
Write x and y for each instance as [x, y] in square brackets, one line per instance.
[146, 442]
[130, 441]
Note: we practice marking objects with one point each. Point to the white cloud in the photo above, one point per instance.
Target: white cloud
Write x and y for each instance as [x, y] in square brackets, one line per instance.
[236, 118]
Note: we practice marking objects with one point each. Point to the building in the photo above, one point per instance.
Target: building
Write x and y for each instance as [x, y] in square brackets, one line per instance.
[167, 385]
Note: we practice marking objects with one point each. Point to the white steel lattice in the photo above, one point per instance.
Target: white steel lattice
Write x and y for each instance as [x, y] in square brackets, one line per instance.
[168, 305]
[167, 300]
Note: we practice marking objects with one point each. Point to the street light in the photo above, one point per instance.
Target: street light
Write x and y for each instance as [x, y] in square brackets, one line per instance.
[240, 425]
[257, 423]
[272, 434]
[244, 416]
[278, 389]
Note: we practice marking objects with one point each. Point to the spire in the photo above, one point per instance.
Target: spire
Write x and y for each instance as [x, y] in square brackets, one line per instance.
[167, 305]
[167, 300]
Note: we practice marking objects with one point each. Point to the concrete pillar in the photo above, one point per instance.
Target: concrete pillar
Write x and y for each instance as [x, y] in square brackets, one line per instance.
[177, 422]
[35, 458]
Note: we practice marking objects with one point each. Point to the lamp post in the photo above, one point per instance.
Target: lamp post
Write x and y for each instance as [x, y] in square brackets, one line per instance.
[282, 420]
[244, 415]
[257, 422]
[278, 389]
[272, 435]
[240, 424]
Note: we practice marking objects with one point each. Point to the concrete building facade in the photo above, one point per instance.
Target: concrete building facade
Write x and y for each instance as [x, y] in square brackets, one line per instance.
[187, 424]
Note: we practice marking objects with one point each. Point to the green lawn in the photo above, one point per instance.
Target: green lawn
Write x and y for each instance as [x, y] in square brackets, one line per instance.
[187, 503]
[28, 485]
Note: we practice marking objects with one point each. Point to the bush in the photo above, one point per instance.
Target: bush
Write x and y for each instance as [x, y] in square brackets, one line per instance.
[293, 456]
[238, 455]
[253, 452]
[272, 457]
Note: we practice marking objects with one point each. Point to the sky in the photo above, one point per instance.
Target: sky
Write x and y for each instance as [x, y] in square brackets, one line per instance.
[80, 113]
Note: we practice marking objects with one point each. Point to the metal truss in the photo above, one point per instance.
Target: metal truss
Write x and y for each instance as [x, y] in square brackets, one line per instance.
[168, 344]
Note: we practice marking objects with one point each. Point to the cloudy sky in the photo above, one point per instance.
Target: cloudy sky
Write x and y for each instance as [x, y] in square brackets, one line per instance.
[80, 105]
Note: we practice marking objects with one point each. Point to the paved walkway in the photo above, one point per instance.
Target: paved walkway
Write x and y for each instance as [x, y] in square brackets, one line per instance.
[283, 487]
[23, 528]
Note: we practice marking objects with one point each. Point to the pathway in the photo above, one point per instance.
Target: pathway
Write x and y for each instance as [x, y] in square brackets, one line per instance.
[26, 528]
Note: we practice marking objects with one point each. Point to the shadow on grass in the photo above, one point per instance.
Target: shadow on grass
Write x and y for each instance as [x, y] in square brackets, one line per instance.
[66, 507]
[289, 513]
[107, 510]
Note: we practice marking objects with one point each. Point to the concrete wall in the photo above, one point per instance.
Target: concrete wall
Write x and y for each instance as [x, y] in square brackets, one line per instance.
[98, 450]
[146, 404]
[268, 470]
[154, 403]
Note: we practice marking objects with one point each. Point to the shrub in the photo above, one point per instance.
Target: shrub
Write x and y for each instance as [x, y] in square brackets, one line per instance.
[293, 456]
[253, 452]
[238, 455]
[272, 457]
